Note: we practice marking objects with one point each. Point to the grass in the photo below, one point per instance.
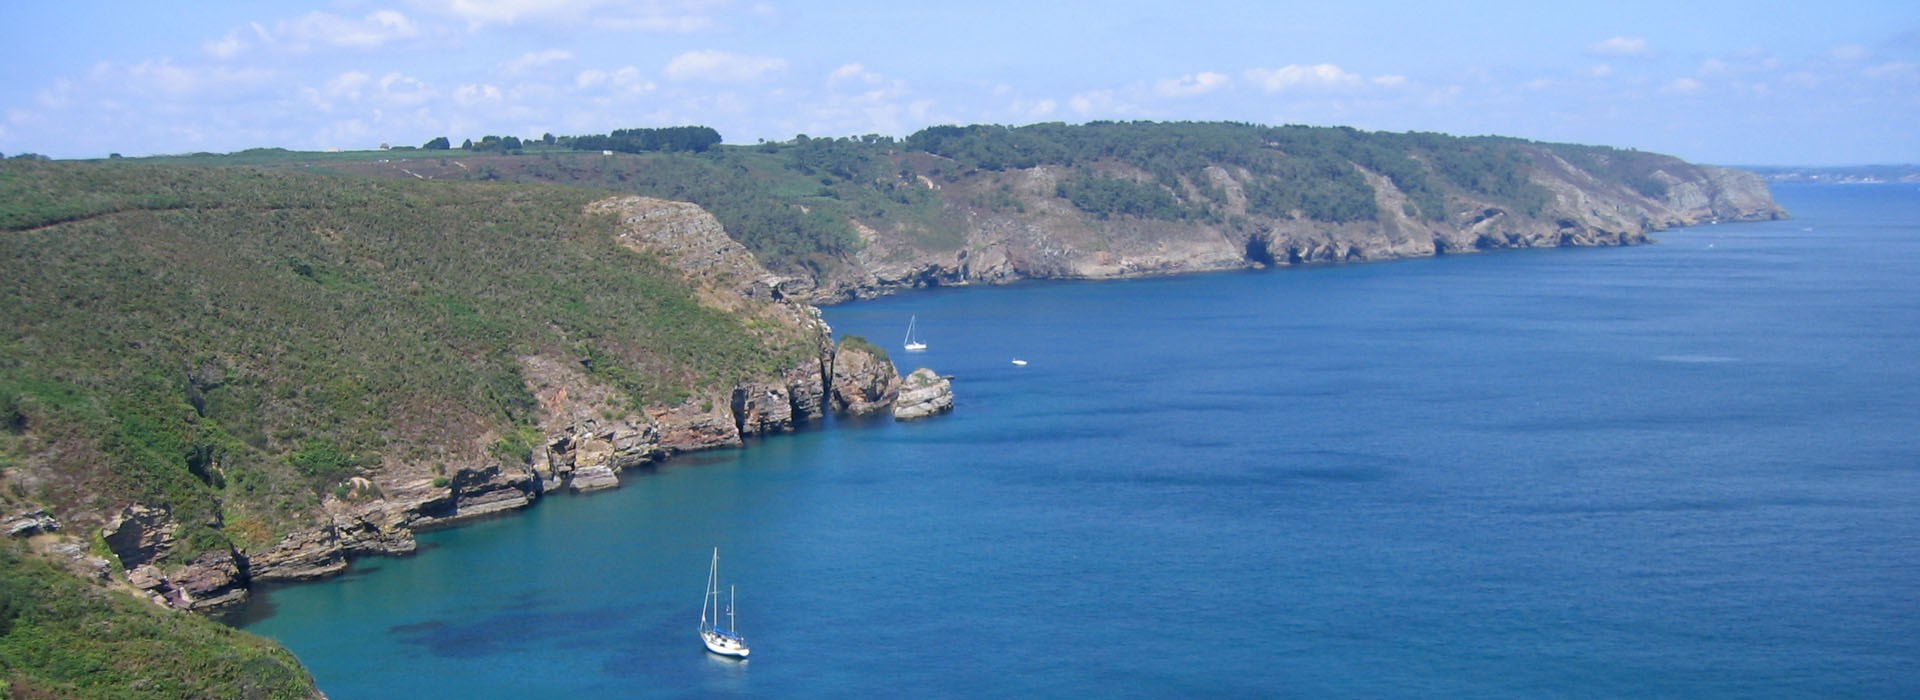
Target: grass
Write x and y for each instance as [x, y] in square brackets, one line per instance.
[235, 341]
[62, 637]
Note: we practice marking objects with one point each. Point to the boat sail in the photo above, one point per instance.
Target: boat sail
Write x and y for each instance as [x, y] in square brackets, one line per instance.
[723, 642]
[913, 345]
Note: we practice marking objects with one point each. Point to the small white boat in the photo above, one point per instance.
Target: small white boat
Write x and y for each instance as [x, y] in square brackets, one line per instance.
[913, 345]
[1020, 363]
[725, 642]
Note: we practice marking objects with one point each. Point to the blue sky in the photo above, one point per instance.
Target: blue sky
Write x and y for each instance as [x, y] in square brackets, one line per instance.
[1789, 83]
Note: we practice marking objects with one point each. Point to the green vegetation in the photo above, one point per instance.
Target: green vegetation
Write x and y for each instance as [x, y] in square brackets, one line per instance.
[63, 637]
[793, 203]
[858, 342]
[796, 204]
[236, 342]
[1634, 168]
[678, 138]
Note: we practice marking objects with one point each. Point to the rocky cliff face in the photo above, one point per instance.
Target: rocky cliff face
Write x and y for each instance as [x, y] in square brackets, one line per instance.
[863, 382]
[585, 443]
[1044, 237]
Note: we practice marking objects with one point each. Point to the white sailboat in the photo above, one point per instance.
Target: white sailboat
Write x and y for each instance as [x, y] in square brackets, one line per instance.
[913, 345]
[723, 642]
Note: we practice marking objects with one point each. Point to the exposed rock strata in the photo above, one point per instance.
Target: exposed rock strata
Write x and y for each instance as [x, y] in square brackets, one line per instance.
[863, 383]
[585, 445]
[1046, 238]
[923, 394]
[143, 538]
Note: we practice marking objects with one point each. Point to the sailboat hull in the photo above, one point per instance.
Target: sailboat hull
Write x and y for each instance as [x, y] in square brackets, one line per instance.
[725, 645]
[911, 344]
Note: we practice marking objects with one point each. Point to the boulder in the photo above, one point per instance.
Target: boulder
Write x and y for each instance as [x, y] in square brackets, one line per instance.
[593, 478]
[30, 523]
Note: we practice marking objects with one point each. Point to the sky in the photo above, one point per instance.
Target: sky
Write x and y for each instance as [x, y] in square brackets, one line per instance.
[1735, 83]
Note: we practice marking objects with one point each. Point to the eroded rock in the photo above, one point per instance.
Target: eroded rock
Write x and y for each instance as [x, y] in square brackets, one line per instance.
[923, 393]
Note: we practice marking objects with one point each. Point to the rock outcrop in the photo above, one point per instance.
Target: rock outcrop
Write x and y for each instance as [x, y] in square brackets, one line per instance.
[143, 539]
[30, 523]
[590, 431]
[1042, 236]
[863, 382]
[922, 394]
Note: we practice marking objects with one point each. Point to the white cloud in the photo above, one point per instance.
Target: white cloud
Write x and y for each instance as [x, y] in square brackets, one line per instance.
[664, 16]
[854, 72]
[343, 87]
[377, 28]
[228, 47]
[470, 95]
[1896, 70]
[1681, 86]
[1320, 76]
[1620, 46]
[1802, 79]
[535, 59]
[1034, 110]
[1191, 85]
[166, 79]
[1600, 70]
[1100, 104]
[1849, 52]
[1390, 80]
[627, 79]
[60, 95]
[722, 67]
[397, 89]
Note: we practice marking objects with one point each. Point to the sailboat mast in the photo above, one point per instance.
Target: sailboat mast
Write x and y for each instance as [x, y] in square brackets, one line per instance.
[711, 595]
[730, 625]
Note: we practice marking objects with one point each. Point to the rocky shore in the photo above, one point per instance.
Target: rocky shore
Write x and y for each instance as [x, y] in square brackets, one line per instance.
[583, 446]
[1044, 237]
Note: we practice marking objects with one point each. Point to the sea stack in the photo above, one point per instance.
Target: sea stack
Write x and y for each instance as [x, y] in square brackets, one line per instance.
[923, 394]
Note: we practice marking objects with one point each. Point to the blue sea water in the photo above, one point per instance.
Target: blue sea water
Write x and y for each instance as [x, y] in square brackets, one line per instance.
[1689, 469]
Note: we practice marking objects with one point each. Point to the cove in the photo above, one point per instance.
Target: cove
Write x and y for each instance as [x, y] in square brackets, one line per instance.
[1684, 469]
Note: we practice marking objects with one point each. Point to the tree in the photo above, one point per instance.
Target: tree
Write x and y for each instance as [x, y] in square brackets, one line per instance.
[439, 143]
[466, 145]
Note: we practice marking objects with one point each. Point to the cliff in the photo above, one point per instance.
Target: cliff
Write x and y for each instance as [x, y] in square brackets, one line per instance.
[582, 446]
[1016, 227]
[843, 218]
[225, 396]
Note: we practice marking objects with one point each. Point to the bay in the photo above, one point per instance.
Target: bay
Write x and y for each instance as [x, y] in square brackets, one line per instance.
[1685, 469]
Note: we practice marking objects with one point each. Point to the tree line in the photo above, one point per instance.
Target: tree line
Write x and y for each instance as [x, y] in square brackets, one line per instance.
[690, 139]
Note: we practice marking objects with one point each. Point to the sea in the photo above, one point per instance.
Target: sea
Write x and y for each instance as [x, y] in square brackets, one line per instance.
[1687, 469]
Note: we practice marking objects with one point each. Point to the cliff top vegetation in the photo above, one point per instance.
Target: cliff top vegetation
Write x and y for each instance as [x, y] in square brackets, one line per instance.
[238, 342]
[795, 203]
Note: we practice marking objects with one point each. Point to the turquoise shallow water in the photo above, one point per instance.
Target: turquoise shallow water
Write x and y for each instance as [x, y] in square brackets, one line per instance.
[1680, 470]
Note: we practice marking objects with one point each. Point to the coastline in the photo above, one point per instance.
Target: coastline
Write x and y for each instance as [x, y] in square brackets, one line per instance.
[491, 493]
